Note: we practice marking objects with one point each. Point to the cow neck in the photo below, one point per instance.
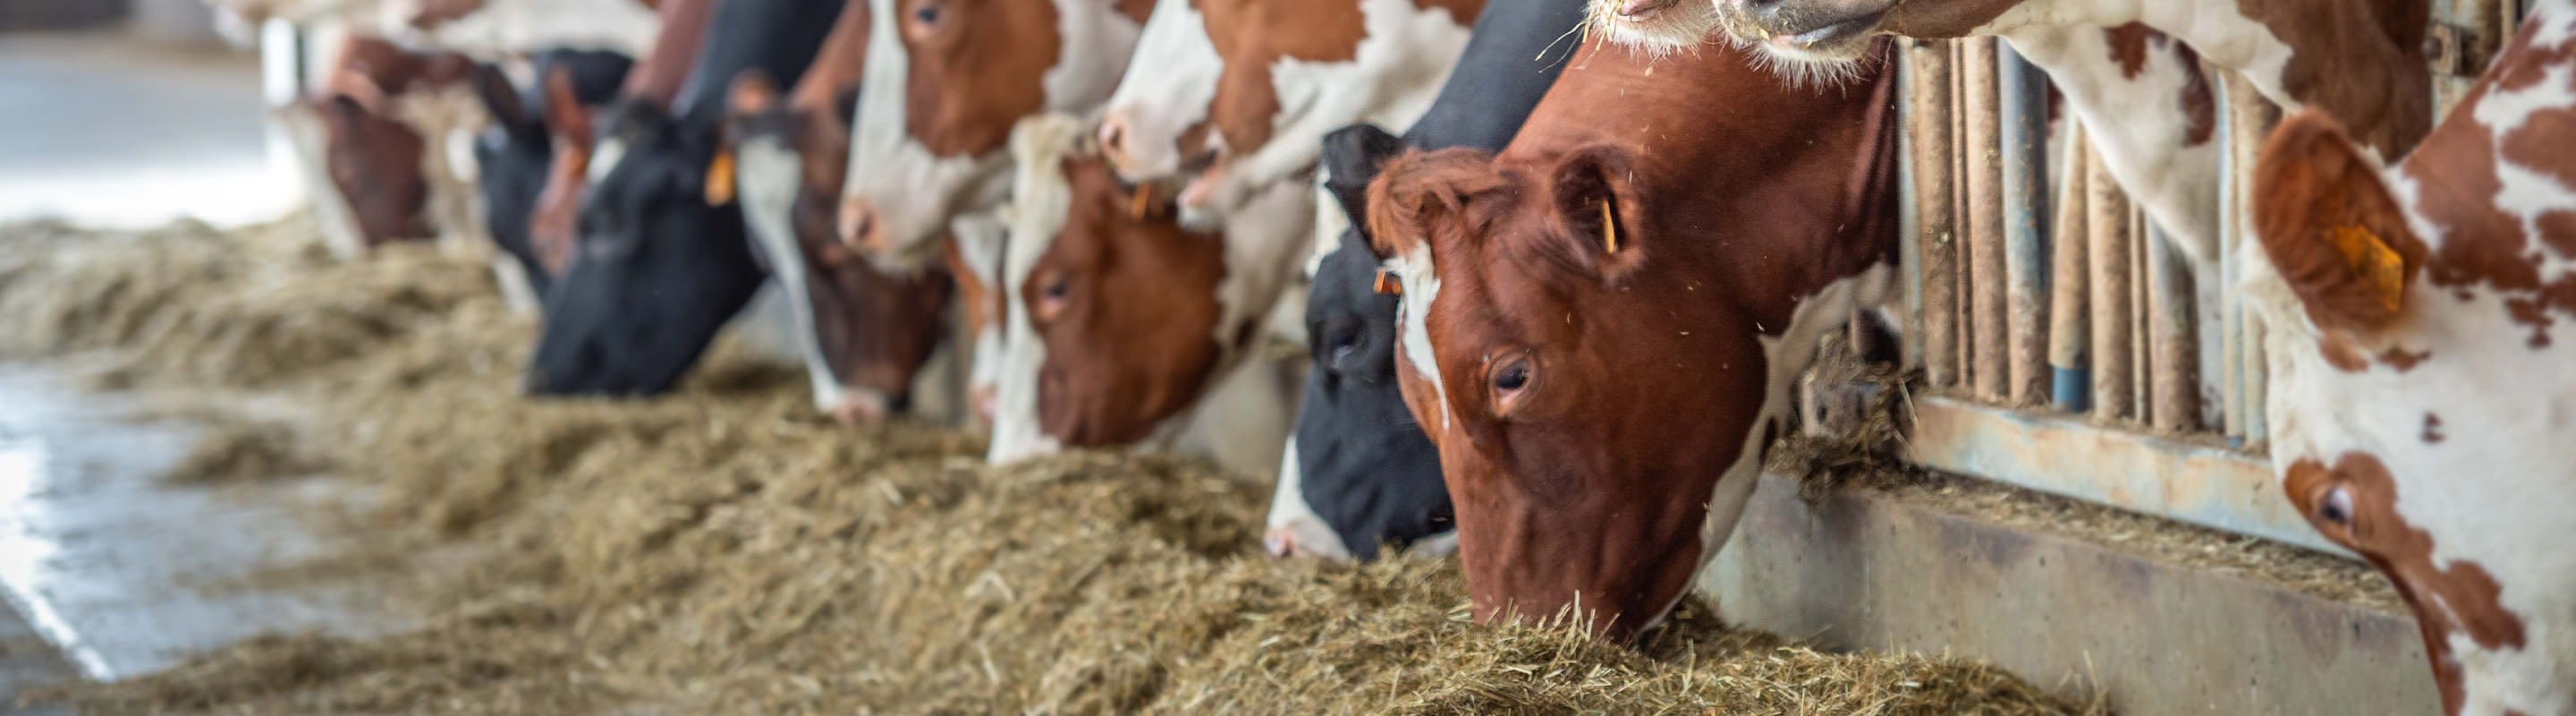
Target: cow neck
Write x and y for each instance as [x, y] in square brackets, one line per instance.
[1729, 185]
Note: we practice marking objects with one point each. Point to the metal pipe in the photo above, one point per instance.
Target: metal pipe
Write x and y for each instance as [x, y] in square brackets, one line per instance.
[1927, 118]
[2107, 246]
[1964, 272]
[2141, 344]
[2070, 328]
[2249, 121]
[2024, 92]
[1986, 218]
[2173, 329]
[2231, 313]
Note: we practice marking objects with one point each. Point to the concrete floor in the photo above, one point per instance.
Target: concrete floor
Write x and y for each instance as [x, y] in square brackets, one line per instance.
[26, 661]
[108, 130]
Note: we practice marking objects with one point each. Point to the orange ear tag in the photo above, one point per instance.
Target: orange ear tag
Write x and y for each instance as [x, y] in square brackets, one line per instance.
[720, 179]
[2370, 258]
[1138, 202]
[1386, 284]
[1609, 229]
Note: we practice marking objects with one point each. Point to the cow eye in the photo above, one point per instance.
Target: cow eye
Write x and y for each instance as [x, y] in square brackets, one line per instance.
[927, 14]
[1512, 377]
[2336, 507]
[1052, 297]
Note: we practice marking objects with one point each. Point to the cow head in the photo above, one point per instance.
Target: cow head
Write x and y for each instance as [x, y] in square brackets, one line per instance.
[1120, 318]
[510, 159]
[2420, 402]
[869, 331]
[658, 266]
[1358, 472]
[374, 162]
[946, 80]
[1206, 99]
[1532, 313]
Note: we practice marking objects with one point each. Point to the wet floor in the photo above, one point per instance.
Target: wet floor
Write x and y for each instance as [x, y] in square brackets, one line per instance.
[126, 574]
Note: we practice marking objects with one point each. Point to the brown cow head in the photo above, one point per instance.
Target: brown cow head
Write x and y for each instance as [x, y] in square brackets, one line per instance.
[375, 163]
[1576, 382]
[1126, 305]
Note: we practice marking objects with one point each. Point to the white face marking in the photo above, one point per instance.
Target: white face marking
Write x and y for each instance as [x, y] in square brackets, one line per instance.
[766, 175]
[1421, 286]
[916, 192]
[605, 158]
[305, 134]
[1041, 197]
[1293, 520]
[1169, 84]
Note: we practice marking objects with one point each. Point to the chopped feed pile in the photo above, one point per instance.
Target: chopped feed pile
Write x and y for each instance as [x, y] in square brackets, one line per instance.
[245, 452]
[725, 550]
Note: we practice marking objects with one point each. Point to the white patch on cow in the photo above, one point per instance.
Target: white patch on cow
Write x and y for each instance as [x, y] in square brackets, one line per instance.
[448, 117]
[1391, 79]
[2141, 128]
[766, 178]
[506, 28]
[2504, 111]
[2498, 478]
[1041, 198]
[1436, 546]
[303, 126]
[1330, 222]
[1294, 521]
[1787, 355]
[604, 159]
[915, 191]
[1241, 419]
[980, 240]
[1168, 87]
[1421, 287]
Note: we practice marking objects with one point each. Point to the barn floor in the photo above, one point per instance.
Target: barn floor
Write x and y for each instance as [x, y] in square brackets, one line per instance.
[110, 130]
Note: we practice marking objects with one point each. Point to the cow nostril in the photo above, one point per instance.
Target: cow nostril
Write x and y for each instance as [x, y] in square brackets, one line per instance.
[1113, 136]
[1280, 544]
[858, 223]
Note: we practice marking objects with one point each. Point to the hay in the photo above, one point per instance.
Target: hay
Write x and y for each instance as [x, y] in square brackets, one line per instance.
[725, 550]
[244, 452]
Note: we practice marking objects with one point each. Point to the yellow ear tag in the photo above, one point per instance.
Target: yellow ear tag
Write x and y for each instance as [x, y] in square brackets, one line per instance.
[2372, 259]
[720, 179]
[1139, 202]
[1386, 284]
[1609, 229]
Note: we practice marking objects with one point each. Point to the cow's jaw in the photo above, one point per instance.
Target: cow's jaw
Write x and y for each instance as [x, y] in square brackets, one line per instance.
[1169, 87]
[331, 211]
[1293, 529]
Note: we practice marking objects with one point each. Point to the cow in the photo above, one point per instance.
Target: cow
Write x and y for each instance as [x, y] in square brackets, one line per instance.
[1357, 473]
[367, 167]
[946, 81]
[513, 155]
[1232, 96]
[1122, 323]
[2361, 60]
[2420, 400]
[1599, 326]
[865, 333]
[661, 260]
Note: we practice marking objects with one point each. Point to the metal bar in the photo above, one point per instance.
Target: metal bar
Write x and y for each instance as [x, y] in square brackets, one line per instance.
[1964, 271]
[2107, 247]
[2172, 319]
[2070, 329]
[1986, 217]
[2141, 344]
[2231, 314]
[2024, 92]
[2193, 481]
[2249, 121]
[1928, 119]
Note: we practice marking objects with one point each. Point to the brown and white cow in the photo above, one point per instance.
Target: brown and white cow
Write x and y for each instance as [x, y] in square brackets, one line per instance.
[1600, 325]
[374, 153]
[865, 334]
[946, 81]
[1236, 95]
[2423, 377]
[2360, 60]
[1126, 329]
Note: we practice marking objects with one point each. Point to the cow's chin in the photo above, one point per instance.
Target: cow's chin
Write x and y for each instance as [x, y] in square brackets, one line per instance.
[1661, 31]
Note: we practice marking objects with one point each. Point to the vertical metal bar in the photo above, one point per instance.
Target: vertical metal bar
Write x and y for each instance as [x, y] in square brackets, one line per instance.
[2249, 121]
[1986, 217]
[2107, 233]
[1928, 128]
[2173, 329]
[2025, 187]
[2232, 331]
[2070, 329]
[1964, 272]
[2142, 378]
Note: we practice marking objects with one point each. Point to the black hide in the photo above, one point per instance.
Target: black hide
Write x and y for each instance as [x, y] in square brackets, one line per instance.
[512, 155]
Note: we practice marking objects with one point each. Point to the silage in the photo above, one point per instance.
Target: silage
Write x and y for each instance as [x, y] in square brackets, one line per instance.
[724, 550]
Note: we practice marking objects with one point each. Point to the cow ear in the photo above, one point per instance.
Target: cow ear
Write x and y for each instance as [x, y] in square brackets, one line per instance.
[566, 116]
[1351, 157]
[2334, 231]
[1419, 193]
[1598, 212]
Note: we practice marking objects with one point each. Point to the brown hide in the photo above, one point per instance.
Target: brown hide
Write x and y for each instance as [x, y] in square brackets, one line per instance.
[1598, 380]
[976, 68]
[1127, 308]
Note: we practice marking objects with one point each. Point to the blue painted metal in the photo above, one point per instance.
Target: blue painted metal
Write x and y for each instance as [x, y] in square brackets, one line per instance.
[2024, 93]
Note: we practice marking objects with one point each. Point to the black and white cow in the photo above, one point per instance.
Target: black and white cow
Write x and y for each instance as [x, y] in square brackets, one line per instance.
[513, 155]
[1358, 471]
[661, 263]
